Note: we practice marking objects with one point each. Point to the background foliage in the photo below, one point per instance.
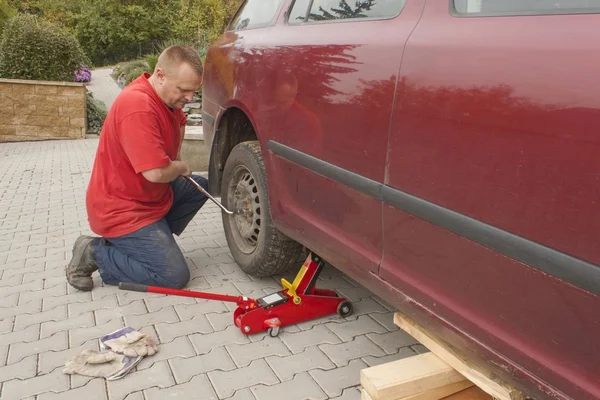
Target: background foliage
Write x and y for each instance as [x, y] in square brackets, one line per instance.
[113, 31]
[38, 50]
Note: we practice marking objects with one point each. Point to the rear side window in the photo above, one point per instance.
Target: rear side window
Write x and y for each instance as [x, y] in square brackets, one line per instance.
[516, 7]
[330, 10]
[254, 14]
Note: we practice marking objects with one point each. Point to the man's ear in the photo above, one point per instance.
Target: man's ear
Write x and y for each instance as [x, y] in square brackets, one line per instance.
[160, 75]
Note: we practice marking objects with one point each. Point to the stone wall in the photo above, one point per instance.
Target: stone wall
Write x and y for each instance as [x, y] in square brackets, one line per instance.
[38, 110]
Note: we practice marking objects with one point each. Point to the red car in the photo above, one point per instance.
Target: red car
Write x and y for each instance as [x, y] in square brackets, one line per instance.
[443, 153]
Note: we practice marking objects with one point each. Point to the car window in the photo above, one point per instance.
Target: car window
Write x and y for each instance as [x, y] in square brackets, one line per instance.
[328, 10]
[254, 14]
[298, 11]
[500, 7]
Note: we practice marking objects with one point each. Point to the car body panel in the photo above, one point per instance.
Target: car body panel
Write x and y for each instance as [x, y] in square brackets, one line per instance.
[448, 164]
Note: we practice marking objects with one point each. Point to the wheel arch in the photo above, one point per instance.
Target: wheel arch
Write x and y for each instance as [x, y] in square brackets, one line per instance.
[233, 127]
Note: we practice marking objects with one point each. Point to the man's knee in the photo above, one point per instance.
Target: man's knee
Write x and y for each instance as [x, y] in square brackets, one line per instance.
[200, 180]
[177, 278]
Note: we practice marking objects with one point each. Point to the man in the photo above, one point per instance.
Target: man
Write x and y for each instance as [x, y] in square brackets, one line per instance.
[137, 197]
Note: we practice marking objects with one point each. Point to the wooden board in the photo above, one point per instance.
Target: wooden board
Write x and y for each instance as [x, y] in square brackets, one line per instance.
[408, 377]
[483, 379]
[473, 393]
[433, 394]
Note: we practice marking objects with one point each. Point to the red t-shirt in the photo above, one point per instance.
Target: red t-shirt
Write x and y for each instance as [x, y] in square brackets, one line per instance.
[140, 133]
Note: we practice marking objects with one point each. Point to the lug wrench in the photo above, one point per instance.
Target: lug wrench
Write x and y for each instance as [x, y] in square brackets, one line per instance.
[201, 189]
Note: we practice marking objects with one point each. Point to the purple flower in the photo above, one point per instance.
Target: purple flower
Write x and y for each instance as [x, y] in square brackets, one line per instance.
[83, 74]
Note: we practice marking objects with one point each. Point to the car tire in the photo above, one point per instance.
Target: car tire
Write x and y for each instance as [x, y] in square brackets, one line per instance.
[255, 244]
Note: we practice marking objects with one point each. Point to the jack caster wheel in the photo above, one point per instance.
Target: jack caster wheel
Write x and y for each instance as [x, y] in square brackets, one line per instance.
[344, 309]
[273, 332]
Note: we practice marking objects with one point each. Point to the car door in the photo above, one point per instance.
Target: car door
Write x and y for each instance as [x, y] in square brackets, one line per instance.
[491, 217]
[324, 114]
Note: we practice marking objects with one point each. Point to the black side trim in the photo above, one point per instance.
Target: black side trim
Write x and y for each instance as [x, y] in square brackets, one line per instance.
[575, 271]
[206, 116]
[570, 269]
[355, 181]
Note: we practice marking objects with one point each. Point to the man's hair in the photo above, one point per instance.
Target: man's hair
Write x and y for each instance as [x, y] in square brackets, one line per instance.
[173, 56]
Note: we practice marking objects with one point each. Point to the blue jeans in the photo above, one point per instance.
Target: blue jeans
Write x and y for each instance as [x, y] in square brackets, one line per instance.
[150, 255]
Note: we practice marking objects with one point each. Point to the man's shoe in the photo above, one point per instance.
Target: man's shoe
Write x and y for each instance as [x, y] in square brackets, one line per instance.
[83, 264]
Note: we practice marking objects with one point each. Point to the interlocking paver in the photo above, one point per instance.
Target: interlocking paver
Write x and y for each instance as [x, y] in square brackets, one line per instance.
[81, 335]
[198, 387]
[286, 367]
[94, 390]
[349, 330]
[83, 321]
[44, 321]
[350, 394]
[391, 342]
[299, 341]
[385, 319]
[300, 388]
[29, 334]
[342, 353]
[20, 350]
[17, 389]
[24, 369]
[158, 375]
[185, 368]
[157, 303]
[220, 321]
[46, 296]
[334, 381]
[189, 311]
[404, 352]
[3, 355]
[164, 315]
[134, 308]
[226, 383]
[196, 325]
[204, 343]
[245, 353]
[6, 325]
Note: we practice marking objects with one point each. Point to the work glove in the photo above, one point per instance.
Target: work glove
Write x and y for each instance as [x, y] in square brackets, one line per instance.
[130, 343]
[95, 364]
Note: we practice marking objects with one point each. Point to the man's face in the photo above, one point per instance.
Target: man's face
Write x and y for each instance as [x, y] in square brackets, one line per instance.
[177, 87]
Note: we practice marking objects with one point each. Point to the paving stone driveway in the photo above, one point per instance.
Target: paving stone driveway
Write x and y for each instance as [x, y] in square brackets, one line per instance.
[44, 322]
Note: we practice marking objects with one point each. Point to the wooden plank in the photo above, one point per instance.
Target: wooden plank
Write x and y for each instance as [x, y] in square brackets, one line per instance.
[473, 393]
[408, 377]
[364, 395]
[441, 392]
[433, 394]
[482, 379]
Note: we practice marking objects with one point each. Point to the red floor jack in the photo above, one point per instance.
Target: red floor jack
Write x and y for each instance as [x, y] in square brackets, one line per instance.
[299, 301]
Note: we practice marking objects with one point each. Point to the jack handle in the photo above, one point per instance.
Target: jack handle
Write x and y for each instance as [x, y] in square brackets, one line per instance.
[241, 301]
[201, 189]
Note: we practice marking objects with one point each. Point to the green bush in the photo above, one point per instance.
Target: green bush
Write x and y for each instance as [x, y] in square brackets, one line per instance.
[38, 50]
[151, 60]
[124, 73]
[96, 113]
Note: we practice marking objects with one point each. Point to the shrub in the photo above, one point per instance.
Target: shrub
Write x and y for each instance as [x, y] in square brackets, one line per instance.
[126, 72]
[39, 51]
[96, 113]
[151, 60]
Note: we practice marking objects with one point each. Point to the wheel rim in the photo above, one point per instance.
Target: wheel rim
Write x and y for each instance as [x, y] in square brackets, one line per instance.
[243, 195]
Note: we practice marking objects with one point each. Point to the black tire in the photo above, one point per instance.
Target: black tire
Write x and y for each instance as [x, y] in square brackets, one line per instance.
[256, 245]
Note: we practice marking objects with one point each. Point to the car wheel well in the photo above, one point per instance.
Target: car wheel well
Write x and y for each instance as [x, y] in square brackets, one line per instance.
[234, 128]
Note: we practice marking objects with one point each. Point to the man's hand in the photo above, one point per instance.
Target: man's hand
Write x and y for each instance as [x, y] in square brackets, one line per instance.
[168, 173]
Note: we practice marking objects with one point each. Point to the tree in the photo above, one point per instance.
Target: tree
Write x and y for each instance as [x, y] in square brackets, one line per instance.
[345, 11]
[112, 32]
[6, 12]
